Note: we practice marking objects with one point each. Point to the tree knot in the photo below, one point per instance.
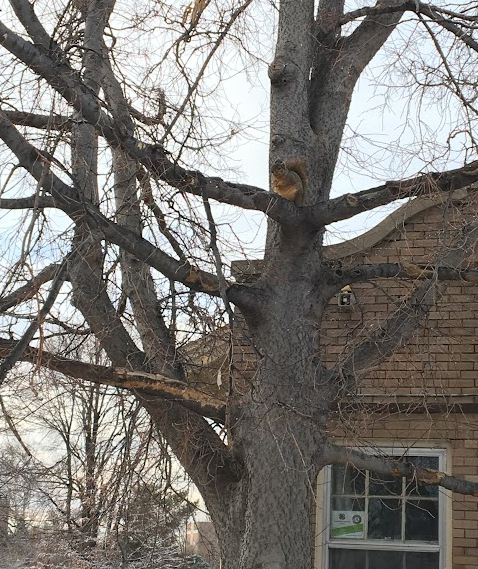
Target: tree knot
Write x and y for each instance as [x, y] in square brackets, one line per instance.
[281, 73]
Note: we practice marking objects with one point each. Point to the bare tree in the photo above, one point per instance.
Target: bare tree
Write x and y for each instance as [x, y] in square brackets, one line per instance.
[118, 237]
[92, 473]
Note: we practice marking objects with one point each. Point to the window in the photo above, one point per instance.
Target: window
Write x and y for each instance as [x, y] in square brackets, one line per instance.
[377, 521]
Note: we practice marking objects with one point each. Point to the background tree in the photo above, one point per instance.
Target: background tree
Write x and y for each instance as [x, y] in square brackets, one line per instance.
[108, 111]
[91, 473]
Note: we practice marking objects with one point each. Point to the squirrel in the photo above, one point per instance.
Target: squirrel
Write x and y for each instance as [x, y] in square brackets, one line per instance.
[289, 179]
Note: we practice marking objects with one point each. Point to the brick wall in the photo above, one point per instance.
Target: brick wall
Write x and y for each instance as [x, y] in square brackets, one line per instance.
[423, 395]
[440, 359]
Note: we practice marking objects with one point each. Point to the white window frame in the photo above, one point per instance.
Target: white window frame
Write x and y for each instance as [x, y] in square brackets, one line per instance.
[326, 543]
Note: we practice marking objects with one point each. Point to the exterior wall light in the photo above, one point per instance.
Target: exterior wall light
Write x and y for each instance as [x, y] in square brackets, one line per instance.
[346, 299]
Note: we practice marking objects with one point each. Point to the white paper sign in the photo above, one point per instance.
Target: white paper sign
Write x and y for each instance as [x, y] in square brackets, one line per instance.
[347, 524]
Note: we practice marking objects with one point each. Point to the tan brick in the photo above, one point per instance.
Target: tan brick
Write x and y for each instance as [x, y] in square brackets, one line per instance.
[464, 542]
[465, 559]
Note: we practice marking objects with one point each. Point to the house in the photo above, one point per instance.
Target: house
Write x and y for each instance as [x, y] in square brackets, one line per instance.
[420, 404]
[201, 540]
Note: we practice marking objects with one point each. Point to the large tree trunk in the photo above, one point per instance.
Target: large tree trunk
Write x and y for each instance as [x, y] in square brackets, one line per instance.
[279, 435]
[278, 505]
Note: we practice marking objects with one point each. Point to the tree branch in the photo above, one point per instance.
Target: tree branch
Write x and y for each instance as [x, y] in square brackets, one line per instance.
[144, 180]
[435, 14]
[137, 281]
[335, 454]
[22, 345]
[31, 202]
[155, 158]
[385, 338]
[191, 437]
[46, 122]
[404, 270]
[397, 330]
[13, 428]
[30, 289]
[336, 68]
[25, 12]
[362, 45]
[146, 383]
[66, 198]
[349, 205]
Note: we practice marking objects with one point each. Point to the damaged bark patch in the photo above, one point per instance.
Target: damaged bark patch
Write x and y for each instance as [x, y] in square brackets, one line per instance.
[168, 388]
[429, 476]
[416, 272]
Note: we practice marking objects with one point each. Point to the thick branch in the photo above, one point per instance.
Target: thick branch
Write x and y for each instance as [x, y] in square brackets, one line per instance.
[190, 276]
[67, 199]
[146, 383]
[192, 439]
[138, 283]
[337, 66]
[31, 202]
[46, 122]
[97, 62]
[370, 36]
[404, 270]
[25, 12]
[397, 330]
[399, 468]
[38, 164]
[435, 14]
[386, 337]
[349, 205]
[70, 86]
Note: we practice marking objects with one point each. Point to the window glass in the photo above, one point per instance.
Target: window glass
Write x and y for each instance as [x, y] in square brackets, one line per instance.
[370, 559]
[385, 559]
[422, 560]
[421, 520]
[383, 485]
[348, 504]
[347, 559]
[375, 510]
[384, 519]
[425, 490]
[347, 480]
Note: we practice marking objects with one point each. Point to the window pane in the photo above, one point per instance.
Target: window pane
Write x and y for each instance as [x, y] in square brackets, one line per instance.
[384, 519]
[416, 489]
[347, 480]
[348, 504]
[424, 461]
[385, 559]
[421, 520]
[347, 559]
[422, 561]
[384, 485]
